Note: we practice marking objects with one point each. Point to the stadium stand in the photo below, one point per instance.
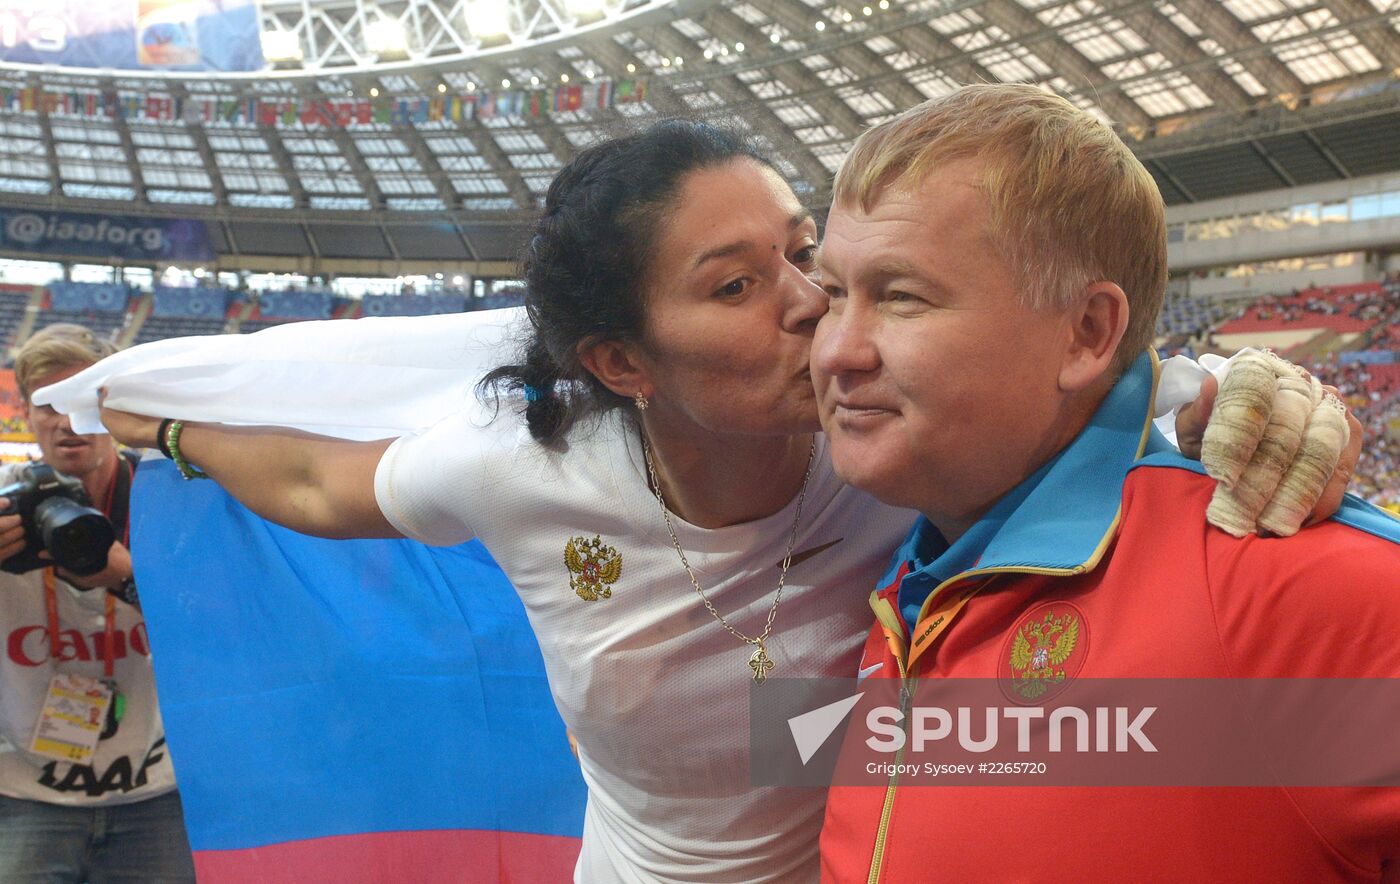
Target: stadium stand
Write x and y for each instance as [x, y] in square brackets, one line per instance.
[1313, 322]
[1190, 316]
[1386, 335]
[1373, 392]
[1348, 335]
[157, 328]
[106, 325]
[1344, 309]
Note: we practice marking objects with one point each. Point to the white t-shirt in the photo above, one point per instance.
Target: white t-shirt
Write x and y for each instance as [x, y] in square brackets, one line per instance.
[653, 688]
[131, 765]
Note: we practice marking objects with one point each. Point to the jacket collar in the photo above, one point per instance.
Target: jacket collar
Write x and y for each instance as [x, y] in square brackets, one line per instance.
[1063, 518]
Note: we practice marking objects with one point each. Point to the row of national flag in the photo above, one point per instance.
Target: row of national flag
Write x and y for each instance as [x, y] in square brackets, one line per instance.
[328, 113]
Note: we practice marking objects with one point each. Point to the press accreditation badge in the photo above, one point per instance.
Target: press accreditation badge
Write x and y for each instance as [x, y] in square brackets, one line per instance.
[74, 714]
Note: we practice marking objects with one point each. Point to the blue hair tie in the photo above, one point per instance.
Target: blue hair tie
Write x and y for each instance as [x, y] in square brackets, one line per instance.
[533, 394]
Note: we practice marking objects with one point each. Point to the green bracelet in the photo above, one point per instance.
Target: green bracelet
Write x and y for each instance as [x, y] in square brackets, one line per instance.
[172, 444]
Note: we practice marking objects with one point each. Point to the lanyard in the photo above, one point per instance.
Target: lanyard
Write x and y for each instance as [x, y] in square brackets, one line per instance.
[936, 621]
[110, 630]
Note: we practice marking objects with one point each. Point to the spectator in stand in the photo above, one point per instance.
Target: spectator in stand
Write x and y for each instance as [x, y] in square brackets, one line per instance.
[1375, 399]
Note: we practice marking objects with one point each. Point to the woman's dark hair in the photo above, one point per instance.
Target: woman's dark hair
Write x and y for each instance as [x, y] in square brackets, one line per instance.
[585, 267]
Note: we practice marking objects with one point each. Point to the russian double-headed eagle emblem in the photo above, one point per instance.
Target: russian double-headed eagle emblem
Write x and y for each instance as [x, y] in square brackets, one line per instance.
[1042, 648]
[593, 567]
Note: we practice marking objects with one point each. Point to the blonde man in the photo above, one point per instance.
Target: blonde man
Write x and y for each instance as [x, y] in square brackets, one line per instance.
[995, 260]
[116, 815]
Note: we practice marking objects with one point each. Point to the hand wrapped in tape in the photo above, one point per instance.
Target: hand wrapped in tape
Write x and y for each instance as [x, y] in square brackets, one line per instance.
[1273, 443]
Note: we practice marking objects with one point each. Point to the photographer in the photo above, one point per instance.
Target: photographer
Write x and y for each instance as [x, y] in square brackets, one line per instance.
[87, 791]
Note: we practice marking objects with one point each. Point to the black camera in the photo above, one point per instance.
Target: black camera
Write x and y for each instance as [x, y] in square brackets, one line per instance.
[56, 517]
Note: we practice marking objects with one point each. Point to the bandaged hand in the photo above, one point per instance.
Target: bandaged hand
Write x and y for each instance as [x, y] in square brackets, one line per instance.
[1281, 446]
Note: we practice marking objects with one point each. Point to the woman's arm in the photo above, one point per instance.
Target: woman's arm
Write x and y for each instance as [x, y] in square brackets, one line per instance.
[311, 484]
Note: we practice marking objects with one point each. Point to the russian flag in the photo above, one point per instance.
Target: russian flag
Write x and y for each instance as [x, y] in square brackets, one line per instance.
[340, 711]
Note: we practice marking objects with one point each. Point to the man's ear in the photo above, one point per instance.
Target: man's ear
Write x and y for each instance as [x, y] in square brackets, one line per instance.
[1096, 325]
[617, 365]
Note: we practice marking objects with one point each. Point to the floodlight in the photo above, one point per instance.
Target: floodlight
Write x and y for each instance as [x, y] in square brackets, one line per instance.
[386, 38]
[281, 47]
[586, 10]
[489, 20]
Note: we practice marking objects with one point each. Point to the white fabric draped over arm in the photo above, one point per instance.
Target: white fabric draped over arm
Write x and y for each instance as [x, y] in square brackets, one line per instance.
[372, 378]
[1180, 383]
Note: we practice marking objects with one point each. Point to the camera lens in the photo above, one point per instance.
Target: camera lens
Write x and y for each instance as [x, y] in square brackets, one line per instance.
[78, 537]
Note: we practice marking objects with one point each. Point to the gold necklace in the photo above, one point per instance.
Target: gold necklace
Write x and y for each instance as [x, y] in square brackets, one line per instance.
[759, 661]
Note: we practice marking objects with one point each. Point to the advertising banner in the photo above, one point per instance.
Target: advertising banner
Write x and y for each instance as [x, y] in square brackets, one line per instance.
[89, 297]
[199, 302]
[104, 236]
[414, 305]
[182, 35]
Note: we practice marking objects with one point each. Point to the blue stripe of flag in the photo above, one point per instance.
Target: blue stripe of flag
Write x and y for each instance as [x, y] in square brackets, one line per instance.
[314, 687]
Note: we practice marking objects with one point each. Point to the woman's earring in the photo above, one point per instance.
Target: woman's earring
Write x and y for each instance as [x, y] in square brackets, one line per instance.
[640, 401]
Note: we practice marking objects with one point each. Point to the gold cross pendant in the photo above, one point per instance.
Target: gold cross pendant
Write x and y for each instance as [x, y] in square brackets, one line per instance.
[760, 663]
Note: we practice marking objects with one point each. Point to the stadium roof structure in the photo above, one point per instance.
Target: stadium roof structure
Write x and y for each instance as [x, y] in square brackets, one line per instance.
[431, 128]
